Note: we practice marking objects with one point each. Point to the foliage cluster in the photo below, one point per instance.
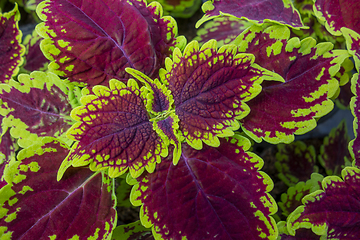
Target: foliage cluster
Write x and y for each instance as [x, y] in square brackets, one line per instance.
[105, 106]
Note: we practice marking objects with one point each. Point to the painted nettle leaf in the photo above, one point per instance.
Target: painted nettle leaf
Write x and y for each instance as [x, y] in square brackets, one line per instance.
[333, 211]
[34, 58]
[223, 29]
[211, 193]
[8, 147]
[38, 105]
[114, 131]
[36, 206]
[301, 234]
[292, 198]
[354, 145]
[295, 162]
[353, 45]
[289, 107]
[335, 14]
[132, 231]
[210, 88]
[11, 49]
[334, 154]
[256, 11]
[92, 48]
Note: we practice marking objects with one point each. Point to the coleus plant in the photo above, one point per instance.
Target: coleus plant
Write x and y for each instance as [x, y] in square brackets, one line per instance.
[123, 101]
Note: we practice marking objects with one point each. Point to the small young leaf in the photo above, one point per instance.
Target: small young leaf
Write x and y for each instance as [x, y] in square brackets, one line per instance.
[333, 210]
[292, 198]
[132, 231]
[114, 131]
[11, 49]
[334, 154]
[34, 57]
[38, 105]
[256, 11]
[301, 234]
[92, 48]
[35, 206]
[295, 162]
[211, 193]
[286, 108]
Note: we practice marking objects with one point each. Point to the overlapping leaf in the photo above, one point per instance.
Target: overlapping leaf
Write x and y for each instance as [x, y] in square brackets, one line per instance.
[132, 231]
[114, 131]
[354, 145]
[334, 154]
[210, 88]
[38, 105]
[8, 147]
[92, 48]
[353, 45]
[256, 11]
[11, 49]
[295, 162]
[301, 234]
[286, 108]
[335, 14]
[223, 29]
[332, 211]
[212, 193]
[35, 206]
[34, 57]
[292, 198]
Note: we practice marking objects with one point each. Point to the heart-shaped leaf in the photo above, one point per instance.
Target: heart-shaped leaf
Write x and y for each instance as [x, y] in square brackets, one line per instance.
[11, 49]
[256, 11]
[114, 131]
[211, 193]
[290, 107]
[34, 205]
[332, 211]
[38, 105]
[92, 48]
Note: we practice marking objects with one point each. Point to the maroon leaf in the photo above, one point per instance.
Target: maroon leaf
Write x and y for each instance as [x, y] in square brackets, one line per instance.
[38, 105]
[114, 131]
[286, 108]
[332, 211]
[295, 162]
[212, 193]
[11, 49]
[34, 57]
[92, 48]
[257, 11]
[36, 206]
[210, 88]
[337, 14]
[334, 154]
